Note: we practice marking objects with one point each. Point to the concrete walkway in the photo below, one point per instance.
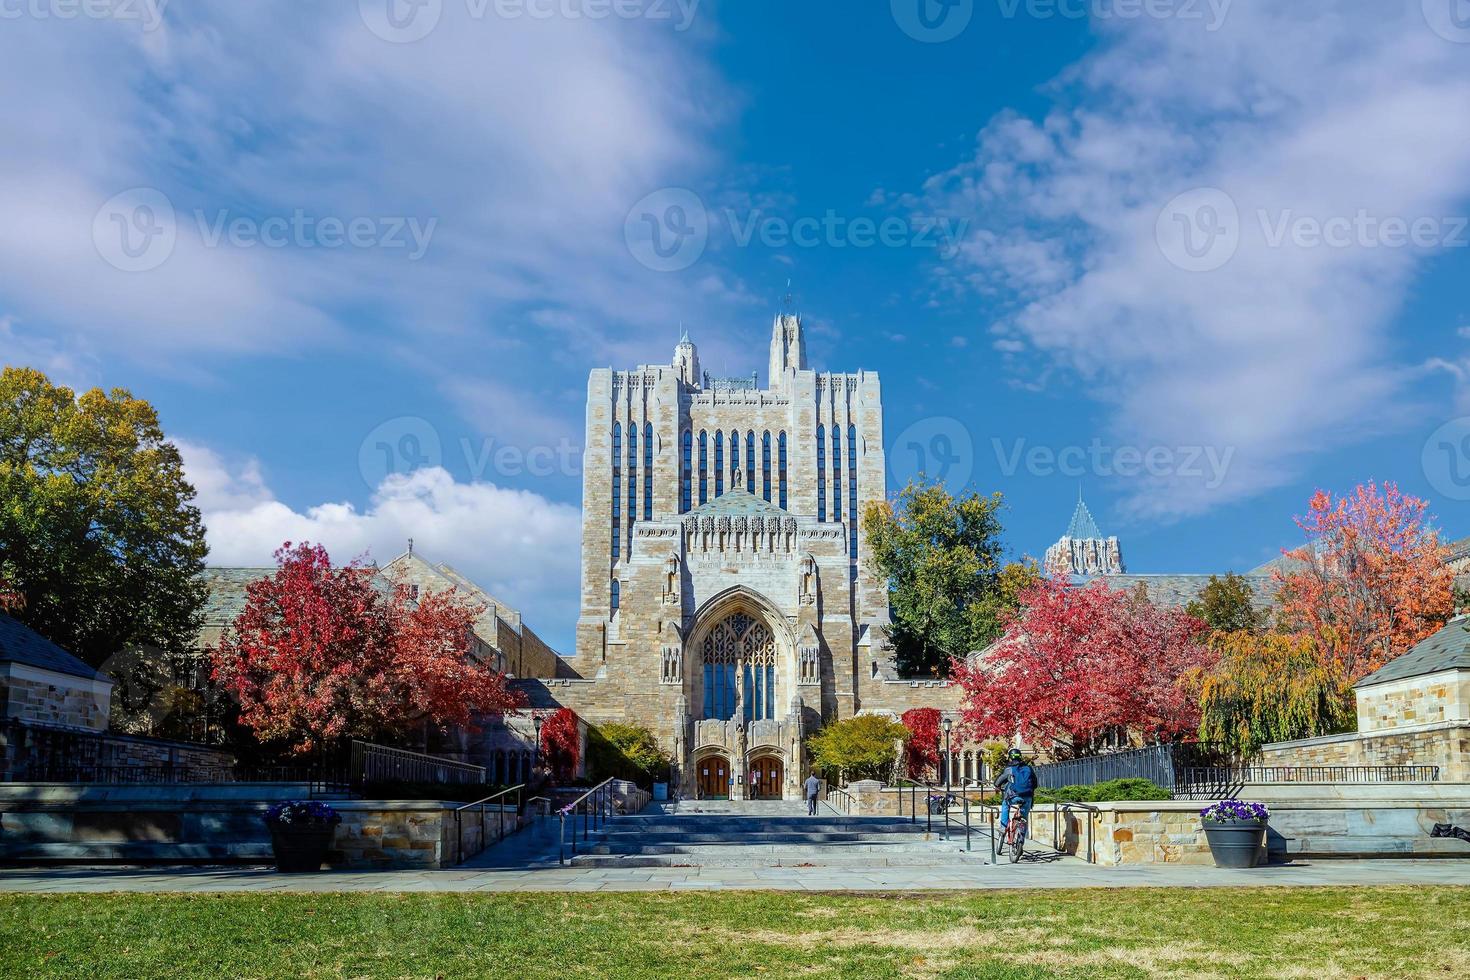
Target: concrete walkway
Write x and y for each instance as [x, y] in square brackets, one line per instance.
[1040, 871]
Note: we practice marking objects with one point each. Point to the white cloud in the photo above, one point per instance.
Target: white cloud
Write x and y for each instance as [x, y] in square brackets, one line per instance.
[517, 545]
[1300, 110]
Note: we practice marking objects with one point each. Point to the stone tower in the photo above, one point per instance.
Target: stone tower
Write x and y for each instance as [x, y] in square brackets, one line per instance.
[1083, 550]
[788, 350]
[686, 361]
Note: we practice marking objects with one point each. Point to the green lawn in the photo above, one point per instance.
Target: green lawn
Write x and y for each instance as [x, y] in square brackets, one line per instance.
[1176, 933]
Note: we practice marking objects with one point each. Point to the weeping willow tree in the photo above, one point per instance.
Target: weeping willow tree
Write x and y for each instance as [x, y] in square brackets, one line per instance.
[1270, 688]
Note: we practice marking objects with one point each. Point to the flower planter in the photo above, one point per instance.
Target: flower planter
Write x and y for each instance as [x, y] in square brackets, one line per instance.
[301, 850]
[1235, 843]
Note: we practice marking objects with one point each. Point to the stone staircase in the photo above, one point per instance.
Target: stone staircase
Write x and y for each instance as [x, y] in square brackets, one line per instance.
[718, 834]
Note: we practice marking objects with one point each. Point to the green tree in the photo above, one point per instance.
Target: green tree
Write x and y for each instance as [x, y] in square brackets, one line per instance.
[98, 532]
[948, 588]
[864, 747]
[1225, 604]
[626, 751]
[1269, 687]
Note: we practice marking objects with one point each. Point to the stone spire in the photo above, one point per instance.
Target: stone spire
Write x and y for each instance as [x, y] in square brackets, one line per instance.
[686, 361]
[788, 348]
[1083, 550]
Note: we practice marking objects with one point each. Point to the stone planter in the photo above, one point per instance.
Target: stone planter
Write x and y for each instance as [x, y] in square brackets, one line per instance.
[301, 850]
[1235, 843]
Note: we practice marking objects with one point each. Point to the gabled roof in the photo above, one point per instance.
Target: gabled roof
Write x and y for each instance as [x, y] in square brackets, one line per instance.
[1178, 591]
[22, 645]
[1449, 649]
[738, 502]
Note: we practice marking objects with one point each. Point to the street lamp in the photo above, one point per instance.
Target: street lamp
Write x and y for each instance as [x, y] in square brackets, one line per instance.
[536, 749]
[948, 755]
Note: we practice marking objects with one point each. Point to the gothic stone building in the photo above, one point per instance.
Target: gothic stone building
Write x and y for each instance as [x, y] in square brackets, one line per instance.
[728, 600]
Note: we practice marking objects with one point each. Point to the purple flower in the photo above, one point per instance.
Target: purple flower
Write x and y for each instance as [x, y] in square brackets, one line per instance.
[1236, 810]
[302, 813]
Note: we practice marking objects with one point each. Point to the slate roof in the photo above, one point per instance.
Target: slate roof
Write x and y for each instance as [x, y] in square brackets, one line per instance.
[738, 502]
[227, 592]
[1179, 591]
[1449, 649]
[1083, 527]
[22, 645]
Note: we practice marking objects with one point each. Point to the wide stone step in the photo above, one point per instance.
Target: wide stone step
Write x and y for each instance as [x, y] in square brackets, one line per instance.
[940, 859]
[785, 838]
[809, 849]
[139, 852]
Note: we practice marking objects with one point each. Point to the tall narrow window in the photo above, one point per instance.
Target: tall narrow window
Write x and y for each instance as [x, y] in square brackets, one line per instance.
[719, 464]
[686, 473]
[704, 467]
[821, 473]
[766, 466]
[852, 496]
[617, 594]
[734, 460]
[632, 474]
[750, 462]
[617, 491]
[782, 471]
[836, 450]
[648, 471]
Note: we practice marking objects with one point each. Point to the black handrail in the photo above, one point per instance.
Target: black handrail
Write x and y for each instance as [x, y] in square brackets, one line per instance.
[849, 802]
[500, 836]
[1056, 837]
[592, 809]
[914, 787]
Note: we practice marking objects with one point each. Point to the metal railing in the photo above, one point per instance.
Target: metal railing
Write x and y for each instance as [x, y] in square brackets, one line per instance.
[369, 763]
[595, 805]
[500, 814]
[1165, 765]
[914, 787]
[1226, 781]
[1057, 810]
[847, 800]
[318, 778]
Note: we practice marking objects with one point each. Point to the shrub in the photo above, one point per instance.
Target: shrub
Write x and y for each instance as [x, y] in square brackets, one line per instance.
[1112, 791]
[628, 752]
[865, 747]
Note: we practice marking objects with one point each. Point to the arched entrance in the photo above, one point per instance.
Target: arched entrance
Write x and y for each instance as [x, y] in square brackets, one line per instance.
[712, 777]
[738, 670]
[766, 778]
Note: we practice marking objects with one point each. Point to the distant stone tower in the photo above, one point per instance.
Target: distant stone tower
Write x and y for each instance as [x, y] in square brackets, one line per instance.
[788, 350]
[1083, 550]
[686, 361]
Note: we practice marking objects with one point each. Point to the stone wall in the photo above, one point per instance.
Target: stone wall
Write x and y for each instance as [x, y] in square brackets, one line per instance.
[414, 834]
[1443, 745]
[50, 698]
[1415, 701]
[26, 749]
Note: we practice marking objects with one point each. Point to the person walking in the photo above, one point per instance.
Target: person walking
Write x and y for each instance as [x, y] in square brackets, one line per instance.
[813, 790]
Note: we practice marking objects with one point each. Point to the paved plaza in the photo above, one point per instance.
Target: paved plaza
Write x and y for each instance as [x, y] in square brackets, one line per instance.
[1041, 872]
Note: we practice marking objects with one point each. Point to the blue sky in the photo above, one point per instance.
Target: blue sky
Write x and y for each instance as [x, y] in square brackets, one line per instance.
[1222, 238]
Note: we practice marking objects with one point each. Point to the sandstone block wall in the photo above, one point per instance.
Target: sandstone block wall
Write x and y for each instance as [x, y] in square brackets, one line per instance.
[1427, 700]
[1444, 745]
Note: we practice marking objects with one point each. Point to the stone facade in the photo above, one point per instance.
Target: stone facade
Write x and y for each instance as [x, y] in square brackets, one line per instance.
[46, 697]
[1446, 745]
[1414, 701]
[728, 600]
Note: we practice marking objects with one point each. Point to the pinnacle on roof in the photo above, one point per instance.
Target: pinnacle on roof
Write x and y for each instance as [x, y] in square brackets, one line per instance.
[1083, 527]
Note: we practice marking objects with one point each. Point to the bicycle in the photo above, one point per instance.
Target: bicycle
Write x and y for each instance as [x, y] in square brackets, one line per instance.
[1015, 840]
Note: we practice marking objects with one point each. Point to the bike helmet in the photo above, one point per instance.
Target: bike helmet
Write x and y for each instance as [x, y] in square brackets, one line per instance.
[1014, 755]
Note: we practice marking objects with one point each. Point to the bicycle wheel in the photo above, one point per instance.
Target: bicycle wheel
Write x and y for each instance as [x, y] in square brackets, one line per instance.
[1018, 843]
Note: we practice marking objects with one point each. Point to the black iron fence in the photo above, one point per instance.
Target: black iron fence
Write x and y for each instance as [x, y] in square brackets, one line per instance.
[1166, 765]
[369, 763]
[1214, 782]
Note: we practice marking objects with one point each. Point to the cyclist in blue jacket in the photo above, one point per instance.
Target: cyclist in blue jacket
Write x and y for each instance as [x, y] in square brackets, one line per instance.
[1017, 786]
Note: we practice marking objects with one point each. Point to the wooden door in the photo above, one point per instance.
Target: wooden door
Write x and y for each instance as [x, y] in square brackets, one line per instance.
[765, 779]
[714, 778]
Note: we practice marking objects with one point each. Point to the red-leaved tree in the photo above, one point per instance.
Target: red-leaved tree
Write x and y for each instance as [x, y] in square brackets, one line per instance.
[1078, 666]
[1370, 583]
[921, 752]
[561, 744]
[322, 654]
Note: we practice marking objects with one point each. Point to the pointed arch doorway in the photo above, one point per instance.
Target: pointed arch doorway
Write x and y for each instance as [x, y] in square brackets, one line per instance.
[767, 777]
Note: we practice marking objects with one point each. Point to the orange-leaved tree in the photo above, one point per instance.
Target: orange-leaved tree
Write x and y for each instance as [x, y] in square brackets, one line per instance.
[1371, 581]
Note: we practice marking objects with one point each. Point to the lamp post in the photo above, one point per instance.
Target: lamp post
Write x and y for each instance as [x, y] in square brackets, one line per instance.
[536, 749]
[948, 764]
